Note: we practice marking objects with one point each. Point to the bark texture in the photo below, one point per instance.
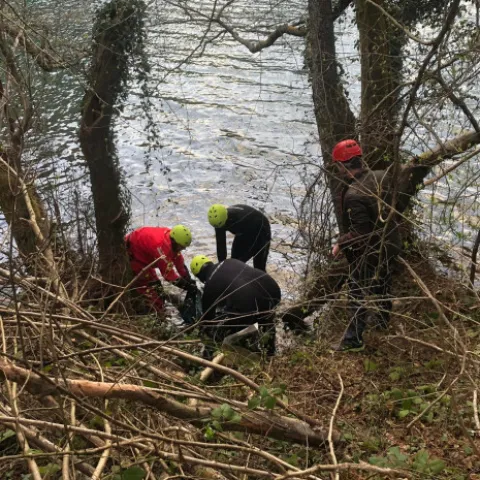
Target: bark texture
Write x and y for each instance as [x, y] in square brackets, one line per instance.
[335, 120]
[106, 79]
[380, 46]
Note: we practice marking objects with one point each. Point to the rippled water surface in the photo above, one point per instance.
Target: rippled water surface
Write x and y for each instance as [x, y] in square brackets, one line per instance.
[233, 127]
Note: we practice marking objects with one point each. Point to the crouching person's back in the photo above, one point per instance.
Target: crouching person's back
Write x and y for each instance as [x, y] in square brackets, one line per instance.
[236, 296]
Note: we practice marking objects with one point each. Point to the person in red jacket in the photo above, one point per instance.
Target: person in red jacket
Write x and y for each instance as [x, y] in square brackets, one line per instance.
[159, 248]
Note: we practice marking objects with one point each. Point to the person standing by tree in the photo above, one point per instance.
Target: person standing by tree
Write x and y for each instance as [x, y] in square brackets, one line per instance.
[251, 229]
[159, 248]
[370, 242]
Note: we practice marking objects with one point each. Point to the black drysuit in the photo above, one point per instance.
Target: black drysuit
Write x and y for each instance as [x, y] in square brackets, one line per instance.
[371, 245]
[252, 236]
[235, 296]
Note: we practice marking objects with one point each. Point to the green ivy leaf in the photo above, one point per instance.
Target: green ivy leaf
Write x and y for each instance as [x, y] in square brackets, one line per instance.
[209, 433]
[436, 466]
[270, 403]
[217, 426]
[6, 435]
[421, 461]
[133, 473]
[264, 392]
[254, 402]
[236, 418]
[370, 365]
[394, 376]
[378, 461]
[227, 411]
[49, 470]
[403, 413]
[217, 412]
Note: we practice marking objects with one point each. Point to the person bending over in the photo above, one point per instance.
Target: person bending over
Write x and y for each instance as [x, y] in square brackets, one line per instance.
[251, 229]
[235, 296]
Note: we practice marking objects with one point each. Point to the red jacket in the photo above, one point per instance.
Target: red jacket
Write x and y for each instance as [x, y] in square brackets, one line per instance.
[147, 244]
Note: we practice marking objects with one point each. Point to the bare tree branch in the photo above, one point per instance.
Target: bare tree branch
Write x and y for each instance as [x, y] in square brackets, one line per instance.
[261, 423]
[45, 57]
[452, 147]
[458, 102]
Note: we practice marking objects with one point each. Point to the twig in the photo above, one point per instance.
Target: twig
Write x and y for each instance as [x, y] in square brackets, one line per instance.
[437, 305]
[342, 467]
[42, 443]
[449, 169]
[400, 26]
[47, 251]
[209, 370]
[473, 268]
[475, 410]
[330, 430]
[12, 397]
[432, 346]
[66, 458]
[102, 463]
[431, 404]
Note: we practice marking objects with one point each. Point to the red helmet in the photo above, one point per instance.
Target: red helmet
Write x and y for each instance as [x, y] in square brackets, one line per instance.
[346, 150]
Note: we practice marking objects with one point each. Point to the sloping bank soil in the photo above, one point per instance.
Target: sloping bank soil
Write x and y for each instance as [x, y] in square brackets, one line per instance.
[408, 398]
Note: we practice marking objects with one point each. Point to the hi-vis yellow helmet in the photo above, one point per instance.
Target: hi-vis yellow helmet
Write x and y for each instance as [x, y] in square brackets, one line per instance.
[217, 215]
[197, 263]
[182, 235]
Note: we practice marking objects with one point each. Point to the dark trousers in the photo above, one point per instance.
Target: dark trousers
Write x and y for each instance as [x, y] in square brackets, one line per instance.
[229, 323]
[369, 294]
[245, 247]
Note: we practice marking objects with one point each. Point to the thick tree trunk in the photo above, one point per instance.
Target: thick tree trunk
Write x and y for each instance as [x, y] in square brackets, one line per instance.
[335, 120]
[380, 45]
[409, 182]
[14, 207]
[107, 74]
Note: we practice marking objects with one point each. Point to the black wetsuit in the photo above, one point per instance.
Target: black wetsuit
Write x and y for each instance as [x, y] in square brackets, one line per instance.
[252, 236]
[235, 296]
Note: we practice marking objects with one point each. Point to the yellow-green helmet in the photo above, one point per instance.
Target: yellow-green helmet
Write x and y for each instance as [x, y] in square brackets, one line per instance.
[217, 215]
[182, 235]
[197, 263]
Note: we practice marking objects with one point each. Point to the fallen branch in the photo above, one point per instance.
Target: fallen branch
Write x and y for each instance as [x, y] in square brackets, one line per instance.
[346, 467]
[42, 443]
[261, 423]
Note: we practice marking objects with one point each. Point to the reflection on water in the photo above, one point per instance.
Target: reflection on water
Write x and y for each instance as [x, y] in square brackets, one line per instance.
[233, 126]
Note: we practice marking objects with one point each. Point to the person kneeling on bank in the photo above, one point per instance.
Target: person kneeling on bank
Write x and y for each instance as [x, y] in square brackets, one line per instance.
[159, 248]
[236, 296]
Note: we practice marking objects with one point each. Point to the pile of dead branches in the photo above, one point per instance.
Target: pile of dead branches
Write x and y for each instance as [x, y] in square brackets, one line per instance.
[88, 394]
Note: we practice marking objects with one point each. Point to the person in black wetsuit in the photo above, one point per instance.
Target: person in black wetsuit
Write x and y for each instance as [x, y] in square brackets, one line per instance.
[251, 229]
[235, 296]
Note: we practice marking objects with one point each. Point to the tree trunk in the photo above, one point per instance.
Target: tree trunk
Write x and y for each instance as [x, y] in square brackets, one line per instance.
[409, 182]
[380, 45]
[13, 206]
[335, 120]
[107, 77]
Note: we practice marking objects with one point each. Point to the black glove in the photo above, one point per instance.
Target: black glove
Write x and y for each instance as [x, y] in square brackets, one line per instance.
[192, 285]
[186, 284]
